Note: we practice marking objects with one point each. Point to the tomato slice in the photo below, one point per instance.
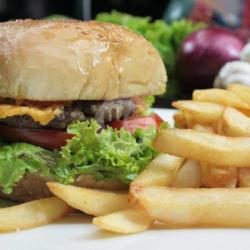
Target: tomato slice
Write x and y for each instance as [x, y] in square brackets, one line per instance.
[46, 138]
[138, 122]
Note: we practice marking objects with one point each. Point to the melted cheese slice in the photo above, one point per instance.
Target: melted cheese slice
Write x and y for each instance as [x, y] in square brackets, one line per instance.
[41, 115]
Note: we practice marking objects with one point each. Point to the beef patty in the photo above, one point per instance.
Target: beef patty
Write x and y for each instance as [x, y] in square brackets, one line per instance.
[102, 111]
[33, 187]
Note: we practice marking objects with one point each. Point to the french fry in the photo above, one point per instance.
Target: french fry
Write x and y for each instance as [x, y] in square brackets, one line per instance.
[160, 172]
[190, 122]
[32, 214]
[244, 177]
[204, 128]
[242, 91]
[220, 96]
[179, 119]
[234, 123]
[215, 177]
[214, 207]
[189, 175]
[126, 222]
[183, 120]
[201, 112]
[216, 150]
[90, 201]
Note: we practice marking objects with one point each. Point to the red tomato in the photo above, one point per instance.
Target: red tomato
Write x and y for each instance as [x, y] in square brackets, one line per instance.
[138, 122]
[46, 138]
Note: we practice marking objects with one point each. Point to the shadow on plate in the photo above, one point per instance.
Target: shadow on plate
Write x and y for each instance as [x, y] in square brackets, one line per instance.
[100, 234]
[75, 218]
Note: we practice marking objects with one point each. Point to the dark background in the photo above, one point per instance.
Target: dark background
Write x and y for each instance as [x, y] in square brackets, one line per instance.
[81, 9]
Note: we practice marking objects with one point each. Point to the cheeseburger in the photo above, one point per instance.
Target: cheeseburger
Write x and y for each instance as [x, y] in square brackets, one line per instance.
[74, 105]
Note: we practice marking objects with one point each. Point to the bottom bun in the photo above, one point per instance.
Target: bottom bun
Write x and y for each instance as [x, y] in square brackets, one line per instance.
[33, 187]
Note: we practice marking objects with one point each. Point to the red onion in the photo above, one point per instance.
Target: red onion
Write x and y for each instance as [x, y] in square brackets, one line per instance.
[243, 33]
[202, 54]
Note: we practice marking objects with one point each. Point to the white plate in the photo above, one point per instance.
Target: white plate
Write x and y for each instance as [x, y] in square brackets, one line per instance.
[77, 232]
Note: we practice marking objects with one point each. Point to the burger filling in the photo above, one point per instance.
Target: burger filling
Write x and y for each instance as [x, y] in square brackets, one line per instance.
[63, 140]
[102, 111]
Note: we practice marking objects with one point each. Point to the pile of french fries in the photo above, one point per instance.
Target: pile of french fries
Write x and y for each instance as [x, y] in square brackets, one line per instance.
[201, 178]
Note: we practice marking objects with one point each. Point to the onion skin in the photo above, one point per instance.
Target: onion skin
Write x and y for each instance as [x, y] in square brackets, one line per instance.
[202, 55]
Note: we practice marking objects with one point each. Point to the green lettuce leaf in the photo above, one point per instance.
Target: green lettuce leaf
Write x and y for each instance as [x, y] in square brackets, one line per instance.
[57, 17]
[105, 154]
[149, 101]
[17, 159]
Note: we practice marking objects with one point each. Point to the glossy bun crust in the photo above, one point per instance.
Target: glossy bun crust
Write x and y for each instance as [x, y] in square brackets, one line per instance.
[74, 60]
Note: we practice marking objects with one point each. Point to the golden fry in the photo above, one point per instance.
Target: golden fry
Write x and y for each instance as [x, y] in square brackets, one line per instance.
[188, 207]
[220, 96]
[160, 172]
[204, 128]
[234, 123]
[215, 177]
[201, 112]
[179, 119]
[216, 150]
[90, 201]
[32, 214]
[244, 177]
[189, 175]
[126, 222]
[242, 91]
